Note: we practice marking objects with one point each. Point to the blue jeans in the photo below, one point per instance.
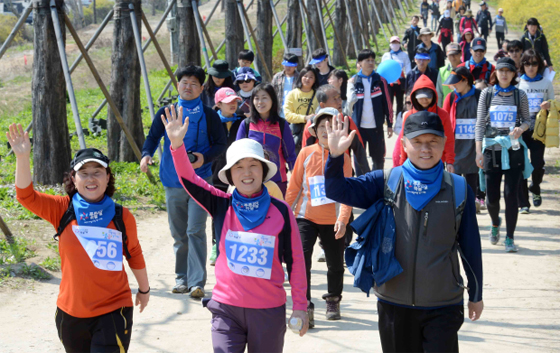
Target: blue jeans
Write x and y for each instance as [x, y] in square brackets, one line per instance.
[187, 222]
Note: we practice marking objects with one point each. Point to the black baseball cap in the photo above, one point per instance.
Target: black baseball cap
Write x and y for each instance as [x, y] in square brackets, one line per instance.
[89, 155]
[478, 44]
[421, 123]
[457, 75]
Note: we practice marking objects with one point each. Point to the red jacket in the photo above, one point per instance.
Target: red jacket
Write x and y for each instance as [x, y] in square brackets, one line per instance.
[399, 155]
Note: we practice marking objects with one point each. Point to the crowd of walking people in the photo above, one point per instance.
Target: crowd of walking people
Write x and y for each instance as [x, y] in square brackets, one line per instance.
[281, 165]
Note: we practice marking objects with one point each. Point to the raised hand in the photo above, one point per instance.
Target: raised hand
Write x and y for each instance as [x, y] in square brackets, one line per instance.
[339, 139]
[19, 140]
[176, 130]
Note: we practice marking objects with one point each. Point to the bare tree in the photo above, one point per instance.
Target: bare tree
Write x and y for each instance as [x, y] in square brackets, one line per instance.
[189, 44]
[234, 32]
[339, 18]
[264, 38]
[125, 84]
[314, 22]
[51, 143]
[294, 26]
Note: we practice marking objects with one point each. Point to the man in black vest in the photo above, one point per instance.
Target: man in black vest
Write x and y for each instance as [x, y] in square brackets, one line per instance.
[370, 104]
[411, 40]
[421, 308]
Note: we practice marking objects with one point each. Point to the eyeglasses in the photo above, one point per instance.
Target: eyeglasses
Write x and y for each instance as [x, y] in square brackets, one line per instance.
[408, 103]
[533, 64]
[514, 51]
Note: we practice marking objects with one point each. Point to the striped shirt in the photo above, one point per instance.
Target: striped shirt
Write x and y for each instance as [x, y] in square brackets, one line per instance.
[483, 117]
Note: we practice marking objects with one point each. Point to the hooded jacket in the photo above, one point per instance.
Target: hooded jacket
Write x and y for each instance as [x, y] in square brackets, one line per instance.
[466, 46]
[467, 22]
[539, 44]
[399, 155]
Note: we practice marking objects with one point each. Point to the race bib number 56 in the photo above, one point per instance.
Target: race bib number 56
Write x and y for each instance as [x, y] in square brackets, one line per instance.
[250, 254]
[103, 246]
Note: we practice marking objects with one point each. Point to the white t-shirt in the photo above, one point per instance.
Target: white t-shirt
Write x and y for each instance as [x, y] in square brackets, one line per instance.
[288, 84]
[368, 119]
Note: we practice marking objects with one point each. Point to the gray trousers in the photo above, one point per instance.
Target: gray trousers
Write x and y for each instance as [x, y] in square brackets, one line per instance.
[187, 222]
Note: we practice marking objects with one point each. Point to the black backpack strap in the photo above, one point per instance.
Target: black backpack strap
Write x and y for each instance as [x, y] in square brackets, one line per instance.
[310, 103]
[68, 216]
[247, 125]
[119, 224]
[208, 124]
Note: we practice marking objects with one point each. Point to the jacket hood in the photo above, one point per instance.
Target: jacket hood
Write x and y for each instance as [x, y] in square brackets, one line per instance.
[423, 82]
[467, 30]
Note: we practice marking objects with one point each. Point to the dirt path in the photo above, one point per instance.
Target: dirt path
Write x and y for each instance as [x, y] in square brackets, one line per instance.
[521, 295]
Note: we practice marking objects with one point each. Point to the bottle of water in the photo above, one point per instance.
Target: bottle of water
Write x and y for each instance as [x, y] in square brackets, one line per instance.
[295, 324]
[514, 142]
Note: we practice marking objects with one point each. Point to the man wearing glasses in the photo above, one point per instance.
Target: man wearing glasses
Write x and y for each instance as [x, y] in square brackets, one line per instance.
[478, 65]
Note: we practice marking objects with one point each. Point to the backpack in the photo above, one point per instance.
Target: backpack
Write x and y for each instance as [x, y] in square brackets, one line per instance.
[69, 215]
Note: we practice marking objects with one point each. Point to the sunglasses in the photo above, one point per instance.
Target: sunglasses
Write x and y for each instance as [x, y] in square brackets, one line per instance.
[408, 103]
[244, 81]
[479, 51]
[533, 64]
[514, 51]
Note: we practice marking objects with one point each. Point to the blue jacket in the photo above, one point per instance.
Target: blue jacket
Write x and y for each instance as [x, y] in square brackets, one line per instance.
[371, 259]
[205, 136]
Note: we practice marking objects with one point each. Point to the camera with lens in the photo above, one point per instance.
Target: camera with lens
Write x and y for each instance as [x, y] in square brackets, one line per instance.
[192, 157]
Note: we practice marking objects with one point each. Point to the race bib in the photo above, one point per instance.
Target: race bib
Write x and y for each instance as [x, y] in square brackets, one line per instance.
[250, 254]
[103, 246]
[535, 100]
[499, 22]
[464, 129]
[503, 116]
[317, 190]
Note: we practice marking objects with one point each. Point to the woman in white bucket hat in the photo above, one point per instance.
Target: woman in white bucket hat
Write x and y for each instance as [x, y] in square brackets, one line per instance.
[255, 234]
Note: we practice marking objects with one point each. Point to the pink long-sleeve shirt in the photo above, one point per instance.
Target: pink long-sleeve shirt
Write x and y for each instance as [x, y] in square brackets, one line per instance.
[279, 228]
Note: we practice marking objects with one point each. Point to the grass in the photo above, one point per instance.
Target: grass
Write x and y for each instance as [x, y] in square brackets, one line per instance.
[51, 263]
[16, 252]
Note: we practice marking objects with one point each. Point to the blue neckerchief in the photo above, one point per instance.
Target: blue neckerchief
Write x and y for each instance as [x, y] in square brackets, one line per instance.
[473, 63]
[193, 109]
[421, 185]
[98, 214]
[250, 211]
[364, 76]
[226, 119]
[414, 27]
[498, 89]
[395, 52]
[468, 94]
[534, 79]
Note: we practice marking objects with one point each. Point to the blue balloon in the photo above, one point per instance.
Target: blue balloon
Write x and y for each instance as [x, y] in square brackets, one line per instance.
[390, 70]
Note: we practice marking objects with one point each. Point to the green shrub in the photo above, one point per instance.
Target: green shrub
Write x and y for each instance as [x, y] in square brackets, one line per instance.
[103, 7]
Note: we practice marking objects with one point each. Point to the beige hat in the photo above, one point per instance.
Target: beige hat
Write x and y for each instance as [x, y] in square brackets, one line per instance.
[425, 31]
[246, 148]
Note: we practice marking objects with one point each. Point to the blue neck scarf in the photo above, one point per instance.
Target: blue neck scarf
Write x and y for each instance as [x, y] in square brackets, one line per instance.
[421, 185]
[498, 89]
[395, 52]
[534, 79]
[414, 27]
[468, 94]
[364, 76]
[226, 119]
[98, 214]
[473, 63]
[193, 109]
[250, 211]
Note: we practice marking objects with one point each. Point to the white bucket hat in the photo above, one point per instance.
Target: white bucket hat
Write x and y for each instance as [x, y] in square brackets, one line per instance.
[323, 111]
[246, 148]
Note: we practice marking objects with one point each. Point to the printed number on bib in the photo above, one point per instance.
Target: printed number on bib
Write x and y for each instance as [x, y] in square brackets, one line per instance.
[250, 254]
[318, 193]
[464, 129]
[535, 100]
[503, 116]
[499, 22]
[103, 246]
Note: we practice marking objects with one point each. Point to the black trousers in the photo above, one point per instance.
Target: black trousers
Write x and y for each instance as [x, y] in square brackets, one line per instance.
[484, 33]
[375, 141]
[349, 232]
[472, 181]
[334, 254]
[512, 177]
[536, 150]
[397, 91]
[106, 333]
[500, 37]
[417, 330]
